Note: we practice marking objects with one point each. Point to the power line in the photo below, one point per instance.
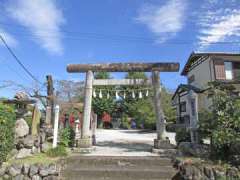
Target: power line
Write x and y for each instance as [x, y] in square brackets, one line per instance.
[13, 70]
[118, 39]
[75, 35]
[18, 60]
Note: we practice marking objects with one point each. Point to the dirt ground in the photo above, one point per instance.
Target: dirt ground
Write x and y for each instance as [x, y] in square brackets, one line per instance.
[126, 142]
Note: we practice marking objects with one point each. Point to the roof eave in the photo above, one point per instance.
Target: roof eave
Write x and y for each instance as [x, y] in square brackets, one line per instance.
[184, 71]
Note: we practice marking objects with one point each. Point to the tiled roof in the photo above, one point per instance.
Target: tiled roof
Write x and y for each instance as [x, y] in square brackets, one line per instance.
[186, 87]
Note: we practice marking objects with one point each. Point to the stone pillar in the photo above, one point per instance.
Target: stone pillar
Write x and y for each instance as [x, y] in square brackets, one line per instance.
[160, 124]
[35, 121]
[77, 131]
[86, 140]
[193, 103]
[48, 116]
[94, 128]
[160, 142]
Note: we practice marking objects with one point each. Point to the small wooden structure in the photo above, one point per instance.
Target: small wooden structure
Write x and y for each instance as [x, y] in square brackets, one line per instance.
[155, 68]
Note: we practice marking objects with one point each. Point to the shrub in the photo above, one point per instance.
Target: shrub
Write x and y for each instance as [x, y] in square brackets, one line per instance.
[58, 151]
[67, 137]
[206, 123]
[222, 124]
[125, 123]
[182, 135]
[7, 123]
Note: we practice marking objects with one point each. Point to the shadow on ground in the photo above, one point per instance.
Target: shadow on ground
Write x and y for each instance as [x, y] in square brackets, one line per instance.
[127, 147]
[145, 131]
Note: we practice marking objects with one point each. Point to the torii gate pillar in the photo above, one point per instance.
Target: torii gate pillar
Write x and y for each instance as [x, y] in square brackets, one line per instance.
[86, 136]
[160, 124]
[160, 142]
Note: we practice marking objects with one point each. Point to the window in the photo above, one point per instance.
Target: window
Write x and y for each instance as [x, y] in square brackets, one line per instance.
[183, 106]
[219, 70]
[228, 70]
[193, 107]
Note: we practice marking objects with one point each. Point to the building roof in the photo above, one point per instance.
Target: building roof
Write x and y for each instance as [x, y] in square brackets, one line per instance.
[64, 106]
[194, 56]
[186, 87]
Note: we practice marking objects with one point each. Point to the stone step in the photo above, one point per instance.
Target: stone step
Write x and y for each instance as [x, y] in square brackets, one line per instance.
[112, 174]
[112, 178]
[120, 168]
[91, 161]
[116, 168]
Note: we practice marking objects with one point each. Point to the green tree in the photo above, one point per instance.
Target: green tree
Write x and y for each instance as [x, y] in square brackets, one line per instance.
[222, 124]
[7, 122]
[104, 104]
[140, 109]
[169, 111]
[143, 109]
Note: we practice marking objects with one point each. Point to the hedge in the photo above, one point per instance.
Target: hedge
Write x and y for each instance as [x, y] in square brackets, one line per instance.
[7, 122]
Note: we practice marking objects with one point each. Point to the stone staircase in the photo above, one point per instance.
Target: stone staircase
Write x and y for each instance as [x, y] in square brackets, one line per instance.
[117, 168]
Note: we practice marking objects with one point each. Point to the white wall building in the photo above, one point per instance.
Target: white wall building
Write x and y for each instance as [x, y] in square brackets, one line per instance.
[200, 69]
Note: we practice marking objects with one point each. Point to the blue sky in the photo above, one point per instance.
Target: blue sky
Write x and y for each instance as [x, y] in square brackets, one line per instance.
[47, 35]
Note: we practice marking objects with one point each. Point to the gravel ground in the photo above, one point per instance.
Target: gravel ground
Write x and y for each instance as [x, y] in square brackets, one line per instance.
[126, 142]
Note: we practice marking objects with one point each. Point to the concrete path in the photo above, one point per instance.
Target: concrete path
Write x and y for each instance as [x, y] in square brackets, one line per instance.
[125, 142]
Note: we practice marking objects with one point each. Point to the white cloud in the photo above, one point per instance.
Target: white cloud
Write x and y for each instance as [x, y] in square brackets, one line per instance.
[218, 24]
[165, 20]
[43, 19]
[10, 40]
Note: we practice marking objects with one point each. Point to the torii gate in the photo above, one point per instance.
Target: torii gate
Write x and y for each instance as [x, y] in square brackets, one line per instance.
[85, 140]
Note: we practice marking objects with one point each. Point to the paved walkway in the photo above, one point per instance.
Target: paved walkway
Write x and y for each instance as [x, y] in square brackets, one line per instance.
[126, 142]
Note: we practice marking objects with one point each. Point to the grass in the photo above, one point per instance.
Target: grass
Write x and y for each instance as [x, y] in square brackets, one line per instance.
[51, 156]
[40, 158]
[59, 151]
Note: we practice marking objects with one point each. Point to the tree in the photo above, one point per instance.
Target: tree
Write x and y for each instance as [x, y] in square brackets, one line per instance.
[69, 91]
[7, 124]
[143, 109]
[222, 123]
[139, 109]
[169, 111]
[104, 104]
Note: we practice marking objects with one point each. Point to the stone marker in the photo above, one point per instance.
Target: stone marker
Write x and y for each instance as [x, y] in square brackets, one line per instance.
[48, 116]
[35, 121]
[21, 128]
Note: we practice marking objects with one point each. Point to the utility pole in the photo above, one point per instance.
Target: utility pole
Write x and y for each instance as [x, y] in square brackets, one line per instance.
[50, 101]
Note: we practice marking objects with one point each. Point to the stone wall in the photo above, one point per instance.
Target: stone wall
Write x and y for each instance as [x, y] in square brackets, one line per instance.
[198, 171]
[30, 172]
[27, 144]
